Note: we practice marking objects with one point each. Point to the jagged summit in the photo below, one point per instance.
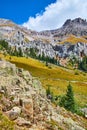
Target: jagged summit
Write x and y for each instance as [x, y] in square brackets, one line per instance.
[76, 27]
[78, 21]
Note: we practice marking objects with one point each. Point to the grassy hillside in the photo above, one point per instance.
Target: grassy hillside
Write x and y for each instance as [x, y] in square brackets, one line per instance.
[73, 39]
[55, 77]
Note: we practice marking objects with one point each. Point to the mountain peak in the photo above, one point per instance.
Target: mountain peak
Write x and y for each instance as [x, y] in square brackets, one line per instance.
[79, 21]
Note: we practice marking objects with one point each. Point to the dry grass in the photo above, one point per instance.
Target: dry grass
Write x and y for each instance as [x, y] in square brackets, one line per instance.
[57, 77]
[73, 39]
[5, 123]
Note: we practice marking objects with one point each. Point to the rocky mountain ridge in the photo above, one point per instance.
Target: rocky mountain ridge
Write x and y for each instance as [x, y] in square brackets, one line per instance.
[24, 101]
[68, 41]
[76, 27]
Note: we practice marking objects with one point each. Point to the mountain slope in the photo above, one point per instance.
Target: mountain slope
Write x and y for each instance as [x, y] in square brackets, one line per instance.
[9, 30]
[54, 44]
[24, 101]
[76, 27]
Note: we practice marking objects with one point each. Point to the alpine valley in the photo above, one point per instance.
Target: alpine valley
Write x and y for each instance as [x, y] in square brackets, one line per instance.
[36, 69]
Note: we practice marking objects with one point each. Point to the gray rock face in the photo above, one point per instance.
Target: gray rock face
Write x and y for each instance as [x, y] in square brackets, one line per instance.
[67, 50]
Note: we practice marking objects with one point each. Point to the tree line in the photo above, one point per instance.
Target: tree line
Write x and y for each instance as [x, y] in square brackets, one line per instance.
[33, 52]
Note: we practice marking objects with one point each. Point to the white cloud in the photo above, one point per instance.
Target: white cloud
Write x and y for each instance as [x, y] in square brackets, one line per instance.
[56, 14]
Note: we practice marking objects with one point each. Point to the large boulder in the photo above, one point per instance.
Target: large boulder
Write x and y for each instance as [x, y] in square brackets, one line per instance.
[14, 113]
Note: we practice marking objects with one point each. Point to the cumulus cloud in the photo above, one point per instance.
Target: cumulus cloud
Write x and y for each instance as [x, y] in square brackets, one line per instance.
[56, 14]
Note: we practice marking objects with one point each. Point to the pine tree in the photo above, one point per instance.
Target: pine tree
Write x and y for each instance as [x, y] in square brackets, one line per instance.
[69, 102]
[83, 64]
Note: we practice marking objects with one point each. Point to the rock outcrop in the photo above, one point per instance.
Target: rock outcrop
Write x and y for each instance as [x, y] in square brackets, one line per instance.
[23, 100]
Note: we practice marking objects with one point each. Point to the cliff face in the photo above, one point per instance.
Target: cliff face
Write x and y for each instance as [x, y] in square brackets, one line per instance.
[24, 101]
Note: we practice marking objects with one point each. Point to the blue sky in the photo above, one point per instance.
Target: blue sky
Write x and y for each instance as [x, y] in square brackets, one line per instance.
[42, 14]
[20, 10]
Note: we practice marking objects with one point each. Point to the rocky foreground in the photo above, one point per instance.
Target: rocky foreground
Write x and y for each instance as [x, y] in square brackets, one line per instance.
[24, 102]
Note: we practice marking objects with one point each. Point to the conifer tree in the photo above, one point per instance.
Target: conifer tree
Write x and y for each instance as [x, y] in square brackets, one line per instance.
[70, 103]
[83, 64]
[67, 101]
